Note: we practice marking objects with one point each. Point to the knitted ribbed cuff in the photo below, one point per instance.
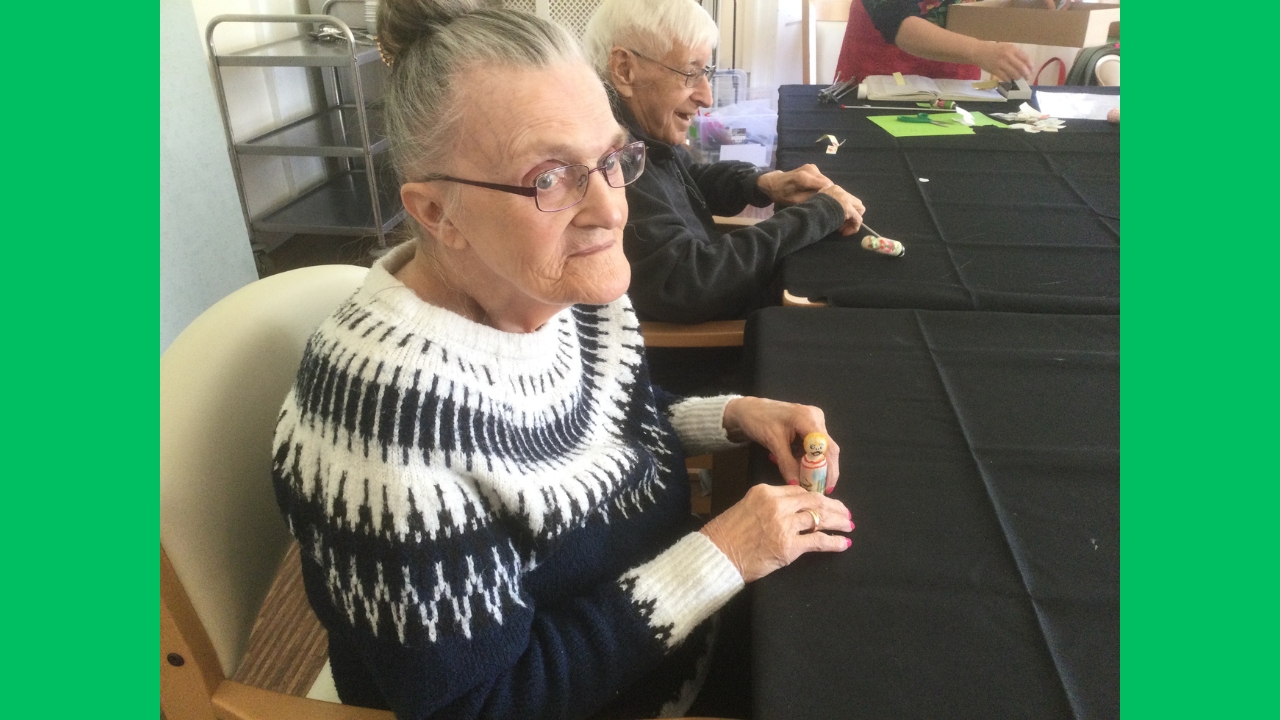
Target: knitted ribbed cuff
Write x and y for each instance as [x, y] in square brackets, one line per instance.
[756, 196]
[684, 586]
[700, 424]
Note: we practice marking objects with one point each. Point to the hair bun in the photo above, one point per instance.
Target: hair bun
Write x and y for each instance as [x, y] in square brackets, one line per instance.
[401, 23]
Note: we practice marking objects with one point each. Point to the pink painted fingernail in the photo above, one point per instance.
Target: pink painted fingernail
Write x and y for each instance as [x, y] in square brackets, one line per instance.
[793, 482]
[828, 490]
[847, 543]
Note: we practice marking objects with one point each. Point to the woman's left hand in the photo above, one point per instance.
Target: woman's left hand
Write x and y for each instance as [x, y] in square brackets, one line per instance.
[774, 425]
[794, 186]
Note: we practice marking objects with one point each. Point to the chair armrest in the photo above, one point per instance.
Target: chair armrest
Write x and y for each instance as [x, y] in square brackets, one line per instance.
[234, 701]
[729, 224]
[789, 300]
[717, 333]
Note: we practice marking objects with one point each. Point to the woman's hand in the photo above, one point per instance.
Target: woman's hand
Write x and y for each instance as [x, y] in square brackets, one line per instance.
[853, 208]
[1005, 61]
[774, 425]
[794, 186]
[773, 525]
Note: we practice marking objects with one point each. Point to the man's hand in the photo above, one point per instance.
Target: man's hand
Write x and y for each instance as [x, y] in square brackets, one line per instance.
[853, 208]
[792, 187]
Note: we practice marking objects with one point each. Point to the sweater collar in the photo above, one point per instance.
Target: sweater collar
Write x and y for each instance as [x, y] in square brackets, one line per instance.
[381, 287]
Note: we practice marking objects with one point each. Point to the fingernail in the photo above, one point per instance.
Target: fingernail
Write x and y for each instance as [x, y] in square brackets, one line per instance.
[793, 482]
[828, 490]
[847, 543]
[850, 525]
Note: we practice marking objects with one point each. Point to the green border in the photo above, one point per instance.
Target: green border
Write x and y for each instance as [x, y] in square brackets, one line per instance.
[82, 283]
[1199, 378]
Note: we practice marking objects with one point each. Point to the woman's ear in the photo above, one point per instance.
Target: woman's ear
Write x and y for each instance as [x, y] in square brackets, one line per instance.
[622, 71]
[426, 202]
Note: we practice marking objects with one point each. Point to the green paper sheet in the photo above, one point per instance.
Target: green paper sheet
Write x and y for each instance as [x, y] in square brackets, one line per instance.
[897, 128]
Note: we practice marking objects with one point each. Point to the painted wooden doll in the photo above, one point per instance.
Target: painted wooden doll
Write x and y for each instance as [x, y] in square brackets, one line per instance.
[813, 466]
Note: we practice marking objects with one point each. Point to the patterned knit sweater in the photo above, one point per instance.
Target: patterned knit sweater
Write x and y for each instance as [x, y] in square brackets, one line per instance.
[497, 524]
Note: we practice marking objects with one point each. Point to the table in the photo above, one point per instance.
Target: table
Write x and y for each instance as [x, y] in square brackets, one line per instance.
[980, 459]
[1000, 220]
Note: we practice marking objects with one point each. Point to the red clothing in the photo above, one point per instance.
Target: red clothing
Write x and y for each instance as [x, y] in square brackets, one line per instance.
[865, 52]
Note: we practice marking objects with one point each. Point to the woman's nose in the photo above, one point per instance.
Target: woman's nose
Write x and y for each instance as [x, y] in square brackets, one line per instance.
[602, 206]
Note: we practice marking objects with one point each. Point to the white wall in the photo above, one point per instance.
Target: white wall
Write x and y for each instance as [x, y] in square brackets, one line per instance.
[758, 40]
[204, 245]
[260, 99]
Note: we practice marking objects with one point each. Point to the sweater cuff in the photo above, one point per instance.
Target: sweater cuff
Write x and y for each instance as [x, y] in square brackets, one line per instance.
[829, 207]
[755, 196]
[683, 586]
[700, 423]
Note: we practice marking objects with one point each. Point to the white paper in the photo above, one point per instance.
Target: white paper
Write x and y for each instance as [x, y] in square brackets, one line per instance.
[1081, 106]
[747, 152]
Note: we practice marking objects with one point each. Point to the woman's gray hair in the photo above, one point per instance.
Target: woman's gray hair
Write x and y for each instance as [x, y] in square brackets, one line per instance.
[428, 44]
[652, 27]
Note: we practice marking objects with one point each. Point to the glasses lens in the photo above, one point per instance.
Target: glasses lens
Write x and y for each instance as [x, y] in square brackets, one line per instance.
[624, 166]
[695, 78]
[561, 187]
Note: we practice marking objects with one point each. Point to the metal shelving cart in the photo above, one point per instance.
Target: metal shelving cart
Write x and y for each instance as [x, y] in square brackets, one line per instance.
[359, 195]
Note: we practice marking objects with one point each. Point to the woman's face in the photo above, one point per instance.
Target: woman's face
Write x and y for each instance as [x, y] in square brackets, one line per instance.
[660, 101]
[514, 125]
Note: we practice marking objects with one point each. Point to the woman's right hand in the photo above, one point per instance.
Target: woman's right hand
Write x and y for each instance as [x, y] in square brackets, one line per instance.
[763, 531]
[1005, 61]
[853, 208]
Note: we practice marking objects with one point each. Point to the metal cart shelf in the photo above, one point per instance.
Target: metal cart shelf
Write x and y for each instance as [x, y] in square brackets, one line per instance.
[339, 206]
[352, 200]
[334, 132]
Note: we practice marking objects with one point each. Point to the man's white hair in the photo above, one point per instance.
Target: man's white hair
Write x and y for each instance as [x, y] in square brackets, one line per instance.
[650, 27]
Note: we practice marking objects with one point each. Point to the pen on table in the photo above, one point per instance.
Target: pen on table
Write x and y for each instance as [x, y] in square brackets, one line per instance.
[898, 107]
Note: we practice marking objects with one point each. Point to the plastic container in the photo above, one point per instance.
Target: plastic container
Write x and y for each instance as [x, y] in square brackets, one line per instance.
[728, 87]
[752, 122]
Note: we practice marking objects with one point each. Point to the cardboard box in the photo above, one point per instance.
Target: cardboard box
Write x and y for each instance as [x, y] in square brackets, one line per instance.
[1028, 21]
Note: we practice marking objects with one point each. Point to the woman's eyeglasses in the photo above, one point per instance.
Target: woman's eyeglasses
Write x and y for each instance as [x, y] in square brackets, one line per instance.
[563, 187]
[690, 78]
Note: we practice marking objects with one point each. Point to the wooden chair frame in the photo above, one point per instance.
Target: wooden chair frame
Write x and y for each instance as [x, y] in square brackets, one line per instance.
[193, 687]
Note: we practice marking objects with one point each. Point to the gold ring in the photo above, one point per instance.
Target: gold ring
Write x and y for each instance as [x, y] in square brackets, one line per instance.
[817, 520]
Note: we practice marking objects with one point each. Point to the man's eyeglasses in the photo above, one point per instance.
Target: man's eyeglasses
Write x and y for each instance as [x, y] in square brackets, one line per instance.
[563, 187]
[690, 78]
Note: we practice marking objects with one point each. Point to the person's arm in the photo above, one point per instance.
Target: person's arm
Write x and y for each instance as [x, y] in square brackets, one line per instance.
[1005, 61]
[679, 274]
[729, 186]
[470, 642]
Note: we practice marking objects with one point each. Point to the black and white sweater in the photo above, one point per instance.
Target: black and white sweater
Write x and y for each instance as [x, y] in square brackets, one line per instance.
[497, 524]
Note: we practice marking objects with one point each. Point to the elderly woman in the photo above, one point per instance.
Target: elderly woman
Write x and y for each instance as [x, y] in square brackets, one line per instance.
[488, 491]
[656, 56]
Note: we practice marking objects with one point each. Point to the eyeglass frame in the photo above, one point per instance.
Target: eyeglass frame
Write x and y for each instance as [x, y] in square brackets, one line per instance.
[533, 190]
[690, 79]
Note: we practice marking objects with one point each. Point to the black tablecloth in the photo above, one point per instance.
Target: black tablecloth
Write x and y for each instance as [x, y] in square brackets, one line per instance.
[980, 459]
[1000, 220]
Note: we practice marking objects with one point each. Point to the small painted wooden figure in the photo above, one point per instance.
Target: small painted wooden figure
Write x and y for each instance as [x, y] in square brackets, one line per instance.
[813, 466]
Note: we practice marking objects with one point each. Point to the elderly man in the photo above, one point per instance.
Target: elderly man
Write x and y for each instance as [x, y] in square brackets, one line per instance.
[655, 54]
